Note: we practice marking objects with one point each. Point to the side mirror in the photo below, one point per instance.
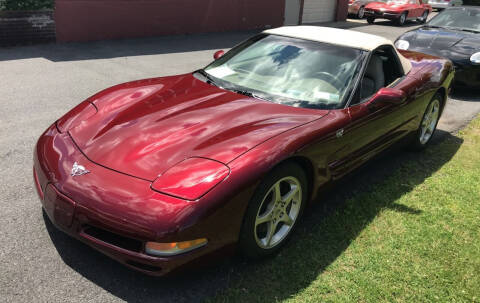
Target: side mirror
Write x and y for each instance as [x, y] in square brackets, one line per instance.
[218, 54]
[388, 95]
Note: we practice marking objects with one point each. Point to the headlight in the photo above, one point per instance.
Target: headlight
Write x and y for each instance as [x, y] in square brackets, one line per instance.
[77, 115]
[475, 58]
[191, 179]
[402, 44]
[173, 248]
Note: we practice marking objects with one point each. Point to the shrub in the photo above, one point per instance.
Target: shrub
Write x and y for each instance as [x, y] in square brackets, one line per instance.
[471, 2]
[26, 4]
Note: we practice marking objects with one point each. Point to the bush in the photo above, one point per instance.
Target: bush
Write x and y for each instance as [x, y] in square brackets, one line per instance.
[471, 2]
[26, 4]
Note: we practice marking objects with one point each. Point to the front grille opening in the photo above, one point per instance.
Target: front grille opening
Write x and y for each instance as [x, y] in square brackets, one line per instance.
[145, 267]
[113, 239]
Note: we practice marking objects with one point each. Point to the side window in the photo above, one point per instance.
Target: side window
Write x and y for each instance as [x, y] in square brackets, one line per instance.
[382, 70]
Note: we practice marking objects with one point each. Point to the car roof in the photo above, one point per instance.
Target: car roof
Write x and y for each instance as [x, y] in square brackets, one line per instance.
[338, 36]
[331, 35]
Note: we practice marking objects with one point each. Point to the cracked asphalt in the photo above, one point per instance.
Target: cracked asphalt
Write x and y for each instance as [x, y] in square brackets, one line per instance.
[40, 83]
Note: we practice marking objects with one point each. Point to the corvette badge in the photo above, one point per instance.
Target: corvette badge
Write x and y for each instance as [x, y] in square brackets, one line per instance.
[78, 170]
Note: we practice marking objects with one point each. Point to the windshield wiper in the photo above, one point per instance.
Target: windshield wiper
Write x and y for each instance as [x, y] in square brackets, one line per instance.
[247, 93]
[454, 28]
[208, 77]
[211, 81]
[469, 30]
[433, 26]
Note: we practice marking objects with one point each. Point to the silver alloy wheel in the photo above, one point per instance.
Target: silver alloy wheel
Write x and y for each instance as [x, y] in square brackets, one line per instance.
[361, 12]
[278, 212]
[429, 121]
[403, 17]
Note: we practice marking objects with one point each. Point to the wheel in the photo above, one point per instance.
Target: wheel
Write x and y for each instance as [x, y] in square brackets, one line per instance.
[401, 20]
[361, 12]
[424, 17]
[429, 123]
[370, 20]
[273, 211]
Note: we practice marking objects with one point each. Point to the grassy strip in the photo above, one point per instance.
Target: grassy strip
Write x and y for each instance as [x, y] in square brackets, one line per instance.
[412, 235]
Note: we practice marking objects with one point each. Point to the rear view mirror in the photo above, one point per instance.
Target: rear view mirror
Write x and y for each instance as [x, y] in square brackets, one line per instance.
[218, 54]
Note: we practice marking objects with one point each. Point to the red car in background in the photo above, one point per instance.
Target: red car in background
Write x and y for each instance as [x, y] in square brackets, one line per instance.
[398, 10]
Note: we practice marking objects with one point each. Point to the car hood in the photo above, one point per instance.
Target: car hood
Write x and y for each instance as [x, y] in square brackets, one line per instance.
[143, 128]
[442, 41]
[387, 6]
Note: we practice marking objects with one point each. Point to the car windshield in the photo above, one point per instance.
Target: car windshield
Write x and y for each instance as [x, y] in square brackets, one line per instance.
[458, 18]
[289, 71]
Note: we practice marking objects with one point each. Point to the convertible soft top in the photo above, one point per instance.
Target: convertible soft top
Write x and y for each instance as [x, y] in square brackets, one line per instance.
[338, 36]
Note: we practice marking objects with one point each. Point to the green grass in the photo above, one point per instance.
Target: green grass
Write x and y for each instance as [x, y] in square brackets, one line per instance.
[405, 230]
[26, 4]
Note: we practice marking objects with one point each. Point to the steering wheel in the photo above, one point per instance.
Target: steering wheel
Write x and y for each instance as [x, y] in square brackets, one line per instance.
[331, 79]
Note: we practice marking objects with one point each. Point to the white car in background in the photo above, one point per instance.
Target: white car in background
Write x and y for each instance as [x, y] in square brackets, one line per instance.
[441, 4]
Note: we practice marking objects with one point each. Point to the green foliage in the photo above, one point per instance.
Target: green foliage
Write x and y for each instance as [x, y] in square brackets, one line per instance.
[471, 2]
[26, 4]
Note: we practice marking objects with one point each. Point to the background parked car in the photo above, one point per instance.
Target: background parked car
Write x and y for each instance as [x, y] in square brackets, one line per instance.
[398, 10]
[454, 34]
[357, 7]
[442, 4]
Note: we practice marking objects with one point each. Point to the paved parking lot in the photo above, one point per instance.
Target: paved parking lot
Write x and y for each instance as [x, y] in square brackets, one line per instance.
[37, 85]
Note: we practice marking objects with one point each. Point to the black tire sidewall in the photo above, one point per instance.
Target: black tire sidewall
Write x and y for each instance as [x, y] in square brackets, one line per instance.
[247, 243]
[399, 21]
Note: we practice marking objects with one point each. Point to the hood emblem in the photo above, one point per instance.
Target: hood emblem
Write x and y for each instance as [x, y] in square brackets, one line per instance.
[78, 170]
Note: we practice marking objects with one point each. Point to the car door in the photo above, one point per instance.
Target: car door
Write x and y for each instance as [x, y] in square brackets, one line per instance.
[373, 125]
[417, 8]
[410, 7]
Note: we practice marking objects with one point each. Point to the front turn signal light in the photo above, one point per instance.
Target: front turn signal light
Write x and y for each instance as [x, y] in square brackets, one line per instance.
[76, 116]
[173, 248]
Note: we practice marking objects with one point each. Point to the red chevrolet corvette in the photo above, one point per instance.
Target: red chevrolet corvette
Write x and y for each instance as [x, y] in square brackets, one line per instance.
[398, 10]
[159, 173]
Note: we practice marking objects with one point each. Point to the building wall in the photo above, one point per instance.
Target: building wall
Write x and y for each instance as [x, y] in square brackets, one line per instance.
[86, 20]
[319, 11]
[342, 10]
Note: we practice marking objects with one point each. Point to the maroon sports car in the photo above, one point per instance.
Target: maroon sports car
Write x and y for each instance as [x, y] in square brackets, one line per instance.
[159, 173]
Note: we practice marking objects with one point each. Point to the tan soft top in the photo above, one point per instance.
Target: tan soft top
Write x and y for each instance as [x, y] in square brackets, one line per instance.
[338, 36]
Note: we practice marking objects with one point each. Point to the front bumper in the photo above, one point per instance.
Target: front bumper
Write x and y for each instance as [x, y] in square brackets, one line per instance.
[381, 14]
[117, 214]
[466, 74]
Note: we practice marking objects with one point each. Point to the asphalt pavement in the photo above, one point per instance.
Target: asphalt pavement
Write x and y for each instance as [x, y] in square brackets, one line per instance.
[40, 83]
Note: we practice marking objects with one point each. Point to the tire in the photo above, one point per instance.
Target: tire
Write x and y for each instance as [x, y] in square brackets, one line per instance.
[428, 125]
[402, 19]
[370, 20]
[361, 12]
[423, 18]
[268, 211]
